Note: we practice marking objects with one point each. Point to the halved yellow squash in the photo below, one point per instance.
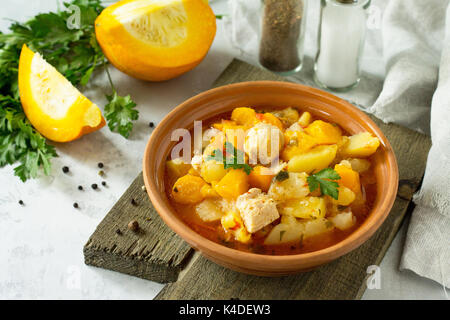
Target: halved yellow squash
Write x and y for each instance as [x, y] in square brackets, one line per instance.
[156, 40]
[51, 103]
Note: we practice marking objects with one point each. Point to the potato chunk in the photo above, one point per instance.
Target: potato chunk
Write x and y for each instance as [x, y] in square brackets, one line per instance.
[294, 187]
[187, 189]
[359, 165]
[257, 209]
[308, 208]
[305, 119]
[316, 227]
[285, 233]
[314, 160]
[343, 221]
[324, 132]
[360, 145]
[208, 210]
[346, 196]
[212, 170]
[233, 184]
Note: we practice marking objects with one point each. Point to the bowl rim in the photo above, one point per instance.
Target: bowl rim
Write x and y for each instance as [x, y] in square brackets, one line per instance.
[351, 242]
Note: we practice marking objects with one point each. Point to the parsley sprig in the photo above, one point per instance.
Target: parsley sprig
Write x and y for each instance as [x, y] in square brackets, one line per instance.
[76, 54]
[233, 158]
[323, 179]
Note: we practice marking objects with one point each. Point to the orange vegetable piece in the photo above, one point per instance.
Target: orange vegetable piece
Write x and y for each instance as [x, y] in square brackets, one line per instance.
[324, 132]
[261, 177]
[52, 104]
[270, 118]
[349, 178]
[233, 184]
[156, 40]
[188, 189]
[297, 144]
[244, 116]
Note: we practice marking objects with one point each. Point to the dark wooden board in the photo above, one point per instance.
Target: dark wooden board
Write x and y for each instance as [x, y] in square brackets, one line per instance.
[158, 254]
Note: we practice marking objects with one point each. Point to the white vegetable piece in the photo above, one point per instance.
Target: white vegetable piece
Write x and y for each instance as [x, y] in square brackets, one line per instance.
[209, 210]
[295, 187]
[284, 232]
[263, 142]
[344, 220]
[256, 209]
[316, 227]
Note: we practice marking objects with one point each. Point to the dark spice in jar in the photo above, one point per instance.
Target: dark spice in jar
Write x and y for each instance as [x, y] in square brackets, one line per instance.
[281, 29]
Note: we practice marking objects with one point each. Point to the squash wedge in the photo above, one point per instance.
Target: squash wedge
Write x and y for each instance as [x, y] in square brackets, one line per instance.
[55, 108]
[156, 40]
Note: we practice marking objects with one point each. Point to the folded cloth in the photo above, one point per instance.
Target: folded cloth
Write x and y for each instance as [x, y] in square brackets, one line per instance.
[409, 48]
[412, 31]
[427, 247]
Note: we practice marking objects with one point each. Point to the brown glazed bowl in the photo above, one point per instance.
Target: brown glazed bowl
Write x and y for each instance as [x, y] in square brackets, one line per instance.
[268, 94]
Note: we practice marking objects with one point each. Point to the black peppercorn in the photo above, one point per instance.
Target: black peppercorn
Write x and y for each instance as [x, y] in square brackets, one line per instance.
[75, 205]
[80, 188]
[133, 202]
[175, 189]
[119, 232]
[21, 202]
[100, 165]
[94, 186]
[65, 169]
[133, 226]
[151, 124]
[104, 183]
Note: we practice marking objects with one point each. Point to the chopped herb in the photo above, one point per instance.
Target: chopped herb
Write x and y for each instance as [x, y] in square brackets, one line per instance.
[282, 232]
[301, 241]
[101, 173]
[234, 158]
[323, 179]
[329, 224]
[342, 208]
[282, 175]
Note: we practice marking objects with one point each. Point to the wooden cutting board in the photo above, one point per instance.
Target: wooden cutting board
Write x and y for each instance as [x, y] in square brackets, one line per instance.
[156, 253]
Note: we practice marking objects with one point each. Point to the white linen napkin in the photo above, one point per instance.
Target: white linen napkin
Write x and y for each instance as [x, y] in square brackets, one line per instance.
[409, 47]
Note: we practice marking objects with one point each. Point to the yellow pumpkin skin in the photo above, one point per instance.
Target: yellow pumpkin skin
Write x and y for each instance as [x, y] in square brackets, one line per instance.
[144, 61]
[83, 116]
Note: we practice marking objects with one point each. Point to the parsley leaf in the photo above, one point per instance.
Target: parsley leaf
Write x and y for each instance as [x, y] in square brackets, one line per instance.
[120, 112]
[323, 179]
[233, 158]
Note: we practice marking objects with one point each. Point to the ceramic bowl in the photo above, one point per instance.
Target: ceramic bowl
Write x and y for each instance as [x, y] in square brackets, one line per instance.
[268, 94]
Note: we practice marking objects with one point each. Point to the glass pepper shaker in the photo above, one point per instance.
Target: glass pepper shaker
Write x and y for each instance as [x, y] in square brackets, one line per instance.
[342, 33]
[282, 35]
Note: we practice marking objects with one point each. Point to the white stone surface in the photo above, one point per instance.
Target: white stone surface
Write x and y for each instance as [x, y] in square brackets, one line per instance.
[41, 245]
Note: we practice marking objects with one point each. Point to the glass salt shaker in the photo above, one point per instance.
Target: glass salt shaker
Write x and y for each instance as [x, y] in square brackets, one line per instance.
[282, 35]
[342, 33]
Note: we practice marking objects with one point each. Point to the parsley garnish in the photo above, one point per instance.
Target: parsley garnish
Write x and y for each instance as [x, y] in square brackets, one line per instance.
[282, 175]
[323, 179]
[76, 54]
[233, 158]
